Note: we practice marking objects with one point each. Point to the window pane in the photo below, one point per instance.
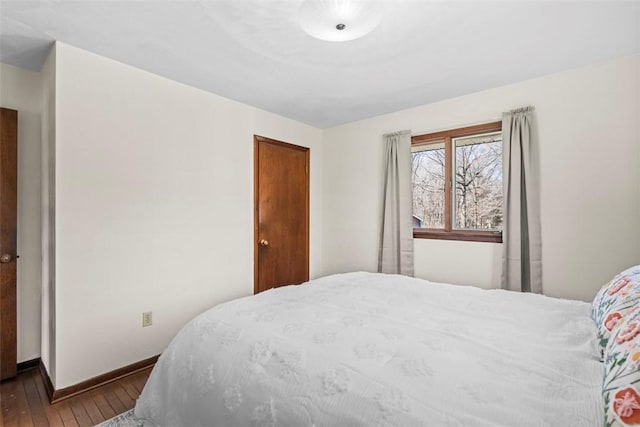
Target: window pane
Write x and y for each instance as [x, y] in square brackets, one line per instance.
[478, 180]
[428, 185]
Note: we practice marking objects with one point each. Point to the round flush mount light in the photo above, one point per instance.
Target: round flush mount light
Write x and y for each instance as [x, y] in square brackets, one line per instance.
[339, 20]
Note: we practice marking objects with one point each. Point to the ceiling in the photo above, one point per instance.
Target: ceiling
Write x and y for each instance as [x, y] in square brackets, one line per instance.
[254, 51]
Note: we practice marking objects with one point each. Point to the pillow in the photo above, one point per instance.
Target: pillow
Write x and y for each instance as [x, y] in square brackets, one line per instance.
[614, 300]
[621, 385]
[601, 300]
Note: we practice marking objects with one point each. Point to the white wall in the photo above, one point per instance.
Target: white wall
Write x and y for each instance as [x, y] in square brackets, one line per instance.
[588, 123]
[154, 208]
[21, 90]
[48, 210]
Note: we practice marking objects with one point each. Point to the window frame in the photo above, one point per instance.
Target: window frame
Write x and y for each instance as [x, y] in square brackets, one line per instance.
[448, 232]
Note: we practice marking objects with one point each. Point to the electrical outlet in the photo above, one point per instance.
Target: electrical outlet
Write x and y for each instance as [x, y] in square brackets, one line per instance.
[147, 318]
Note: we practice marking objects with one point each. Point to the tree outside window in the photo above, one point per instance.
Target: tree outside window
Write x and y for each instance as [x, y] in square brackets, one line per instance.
[457, 184]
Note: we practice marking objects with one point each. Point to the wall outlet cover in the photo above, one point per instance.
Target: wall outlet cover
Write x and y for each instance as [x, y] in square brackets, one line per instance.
[147, 318]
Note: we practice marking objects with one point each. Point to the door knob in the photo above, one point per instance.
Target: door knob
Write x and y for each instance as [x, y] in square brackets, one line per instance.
[5, 258]
[264, 242]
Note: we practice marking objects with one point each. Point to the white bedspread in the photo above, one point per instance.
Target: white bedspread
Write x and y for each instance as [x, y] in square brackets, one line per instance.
[363, 349]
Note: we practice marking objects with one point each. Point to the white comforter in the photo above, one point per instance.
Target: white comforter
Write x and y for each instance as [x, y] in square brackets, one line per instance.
[365, 349]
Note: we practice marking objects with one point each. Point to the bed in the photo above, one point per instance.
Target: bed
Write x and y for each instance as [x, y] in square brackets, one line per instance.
[364, 349]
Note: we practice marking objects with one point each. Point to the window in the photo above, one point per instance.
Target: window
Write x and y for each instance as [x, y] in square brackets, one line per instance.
[457, 184]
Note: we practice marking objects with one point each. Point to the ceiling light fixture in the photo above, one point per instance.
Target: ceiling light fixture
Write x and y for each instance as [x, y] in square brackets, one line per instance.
[339, 20]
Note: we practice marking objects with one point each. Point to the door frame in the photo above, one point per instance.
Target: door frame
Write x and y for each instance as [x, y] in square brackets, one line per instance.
[257, 140]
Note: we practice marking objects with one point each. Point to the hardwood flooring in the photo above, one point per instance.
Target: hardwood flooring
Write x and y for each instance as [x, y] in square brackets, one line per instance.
[24, 402]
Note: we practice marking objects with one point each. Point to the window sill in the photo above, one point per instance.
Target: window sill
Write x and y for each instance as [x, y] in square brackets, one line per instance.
[463, 235]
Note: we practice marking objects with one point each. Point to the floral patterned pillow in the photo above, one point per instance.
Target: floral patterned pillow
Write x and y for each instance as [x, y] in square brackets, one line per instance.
[614, 300]
[621, 385]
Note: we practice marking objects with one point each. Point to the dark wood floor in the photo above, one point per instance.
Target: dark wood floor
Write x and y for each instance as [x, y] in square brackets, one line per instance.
[24, 402]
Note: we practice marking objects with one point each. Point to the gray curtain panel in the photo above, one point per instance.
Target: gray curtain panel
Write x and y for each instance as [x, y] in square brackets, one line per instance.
[396, 235]
[521, 256]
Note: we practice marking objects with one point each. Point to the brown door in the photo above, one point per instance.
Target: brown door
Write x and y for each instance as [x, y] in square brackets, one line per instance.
[8, 215]
[281, 186]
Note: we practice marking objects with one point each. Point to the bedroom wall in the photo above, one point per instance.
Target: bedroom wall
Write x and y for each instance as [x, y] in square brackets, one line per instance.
[154, 208]
[47, 167]
[588, 122]
[21, 90]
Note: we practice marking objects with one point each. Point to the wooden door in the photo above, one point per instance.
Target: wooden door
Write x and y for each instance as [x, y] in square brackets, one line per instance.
[281, 224]
[8, 216]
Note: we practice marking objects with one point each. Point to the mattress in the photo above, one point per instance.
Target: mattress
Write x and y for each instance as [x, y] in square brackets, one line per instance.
[364, 349]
